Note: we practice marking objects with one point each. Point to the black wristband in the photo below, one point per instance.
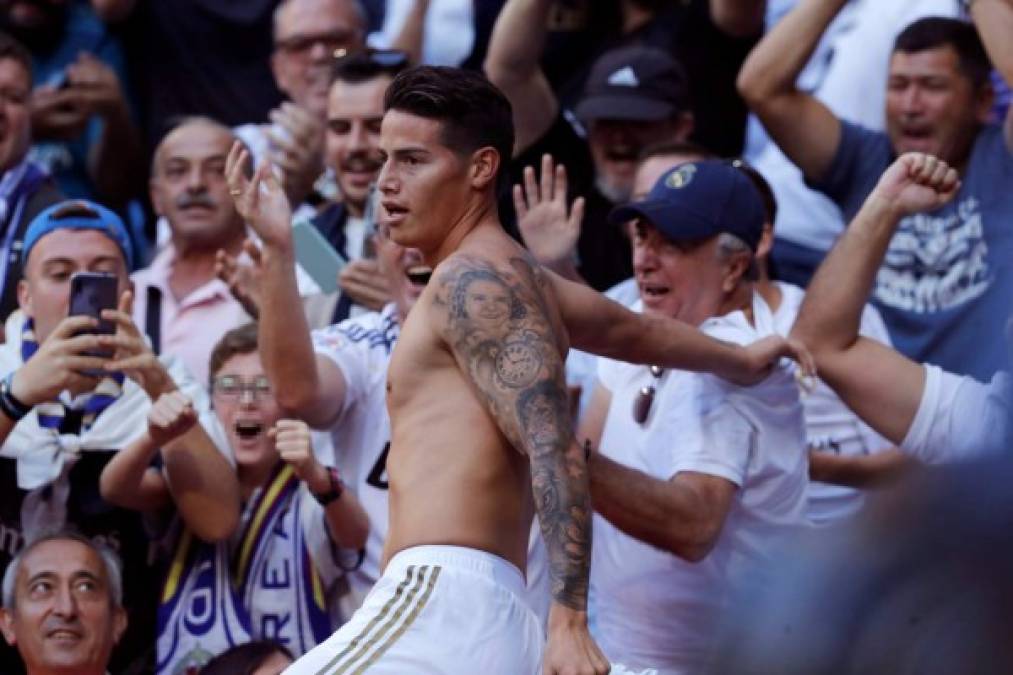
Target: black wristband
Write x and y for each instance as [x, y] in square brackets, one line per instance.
[335, 491]
[9, 404]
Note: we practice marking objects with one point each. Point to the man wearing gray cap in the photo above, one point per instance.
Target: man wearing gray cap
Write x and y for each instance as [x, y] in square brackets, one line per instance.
[695, 479]
[633, 97]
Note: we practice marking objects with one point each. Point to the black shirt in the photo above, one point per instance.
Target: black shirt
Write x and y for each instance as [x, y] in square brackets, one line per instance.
[603, 249]
[201, 57]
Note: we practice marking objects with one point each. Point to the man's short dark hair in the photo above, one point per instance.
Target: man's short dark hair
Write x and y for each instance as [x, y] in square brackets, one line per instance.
[241, 340]
[244, 659]
[15, 51]
[935, 31]
[369, 63]
[474, 113]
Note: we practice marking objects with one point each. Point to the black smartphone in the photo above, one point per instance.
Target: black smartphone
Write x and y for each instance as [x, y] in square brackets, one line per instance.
[90, 293]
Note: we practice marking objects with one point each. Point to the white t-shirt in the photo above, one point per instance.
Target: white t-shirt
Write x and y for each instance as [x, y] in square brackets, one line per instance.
[830, 425]
[360, 347]
[853, 56]
[959, 418]
[652, 608]
[448, 30]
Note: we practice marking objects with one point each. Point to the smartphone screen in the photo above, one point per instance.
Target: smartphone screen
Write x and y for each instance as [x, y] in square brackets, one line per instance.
[90, 293]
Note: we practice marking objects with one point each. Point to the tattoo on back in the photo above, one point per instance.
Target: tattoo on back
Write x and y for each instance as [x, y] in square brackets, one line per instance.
[502, 335]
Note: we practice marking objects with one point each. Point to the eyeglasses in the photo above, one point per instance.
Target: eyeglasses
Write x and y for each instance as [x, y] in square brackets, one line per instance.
[645, 398]
[334, 42]
[232, 387]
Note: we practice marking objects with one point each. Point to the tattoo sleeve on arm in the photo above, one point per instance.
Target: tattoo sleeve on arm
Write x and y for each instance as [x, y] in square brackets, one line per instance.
[501, 332]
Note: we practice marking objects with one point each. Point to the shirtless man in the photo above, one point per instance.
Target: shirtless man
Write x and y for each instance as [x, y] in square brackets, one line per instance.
[478, 405]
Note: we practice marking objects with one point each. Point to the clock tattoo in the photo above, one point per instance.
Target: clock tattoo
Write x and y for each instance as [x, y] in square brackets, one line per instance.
[517, 364]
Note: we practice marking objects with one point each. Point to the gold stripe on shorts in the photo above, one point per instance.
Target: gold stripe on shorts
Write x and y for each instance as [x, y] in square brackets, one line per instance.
[388, 625]
[404, 626]
[372, 623]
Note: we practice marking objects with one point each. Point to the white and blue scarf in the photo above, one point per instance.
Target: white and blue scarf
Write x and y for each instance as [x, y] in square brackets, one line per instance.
[212, 591]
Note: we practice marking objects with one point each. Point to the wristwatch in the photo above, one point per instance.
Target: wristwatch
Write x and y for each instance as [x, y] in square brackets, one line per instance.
[337, 487]
[9, 404]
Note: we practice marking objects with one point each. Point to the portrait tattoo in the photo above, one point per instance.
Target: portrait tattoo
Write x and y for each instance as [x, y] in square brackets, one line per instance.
[500, 327]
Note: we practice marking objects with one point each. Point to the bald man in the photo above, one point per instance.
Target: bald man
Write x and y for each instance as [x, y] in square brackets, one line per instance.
[190, 308]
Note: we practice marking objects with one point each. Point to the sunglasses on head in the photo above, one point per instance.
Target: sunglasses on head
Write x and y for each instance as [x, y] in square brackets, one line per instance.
[369, 59]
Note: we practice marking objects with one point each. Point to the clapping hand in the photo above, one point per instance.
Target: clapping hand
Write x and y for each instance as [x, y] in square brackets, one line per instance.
[296, 147]
[243, 279]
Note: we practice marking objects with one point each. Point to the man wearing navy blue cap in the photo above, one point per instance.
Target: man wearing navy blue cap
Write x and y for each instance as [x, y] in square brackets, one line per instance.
[695, 479]
[64, 411]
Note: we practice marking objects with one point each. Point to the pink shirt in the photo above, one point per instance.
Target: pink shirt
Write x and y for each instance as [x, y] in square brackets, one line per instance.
[190, 326]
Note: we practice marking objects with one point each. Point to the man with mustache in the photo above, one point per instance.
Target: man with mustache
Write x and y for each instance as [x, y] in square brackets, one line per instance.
[180, 302]
[62, 605]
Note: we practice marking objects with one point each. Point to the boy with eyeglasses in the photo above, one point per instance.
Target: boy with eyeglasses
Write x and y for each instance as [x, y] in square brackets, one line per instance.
[300, 530]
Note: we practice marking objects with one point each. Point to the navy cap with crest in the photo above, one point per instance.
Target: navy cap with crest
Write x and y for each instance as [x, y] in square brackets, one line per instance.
[698, 200]
[634, 83]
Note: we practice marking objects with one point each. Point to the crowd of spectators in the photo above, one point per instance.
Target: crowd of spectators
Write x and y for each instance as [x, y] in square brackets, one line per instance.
[194, 480]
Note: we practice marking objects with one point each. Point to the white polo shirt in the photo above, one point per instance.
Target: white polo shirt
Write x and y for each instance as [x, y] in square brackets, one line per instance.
[654, 609]
[959, 418]
[830, 425]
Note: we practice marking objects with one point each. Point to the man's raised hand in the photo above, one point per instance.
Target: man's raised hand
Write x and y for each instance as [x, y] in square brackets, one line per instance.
[549, 229]
[259, 199]
[915, 183]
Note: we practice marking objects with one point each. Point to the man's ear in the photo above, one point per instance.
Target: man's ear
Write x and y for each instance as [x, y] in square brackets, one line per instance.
[156, 198]
[7, 627]
[984, 101]
[738, 267]
[25, 298]
[766, 241]
[485, 163]
[278, 72]
[119, 624]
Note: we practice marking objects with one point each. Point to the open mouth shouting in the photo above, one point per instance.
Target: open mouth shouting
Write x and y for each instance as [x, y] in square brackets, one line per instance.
[419, 275]
[249, 429]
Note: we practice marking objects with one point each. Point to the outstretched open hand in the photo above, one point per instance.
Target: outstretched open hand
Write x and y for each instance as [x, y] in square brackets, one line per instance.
[549, 229]
[259, 199]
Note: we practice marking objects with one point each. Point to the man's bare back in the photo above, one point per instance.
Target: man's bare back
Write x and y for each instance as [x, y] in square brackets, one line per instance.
[455, 478]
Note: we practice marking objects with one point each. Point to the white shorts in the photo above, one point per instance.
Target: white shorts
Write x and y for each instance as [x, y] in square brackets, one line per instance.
[436, 610]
